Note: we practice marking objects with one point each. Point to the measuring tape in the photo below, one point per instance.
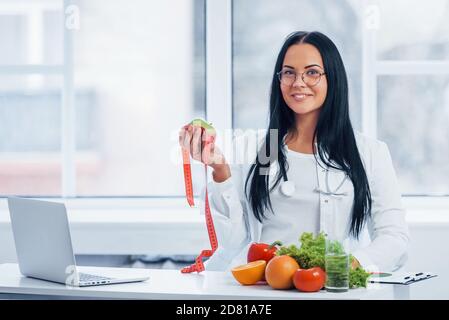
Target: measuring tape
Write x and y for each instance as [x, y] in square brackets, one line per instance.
[198, 266]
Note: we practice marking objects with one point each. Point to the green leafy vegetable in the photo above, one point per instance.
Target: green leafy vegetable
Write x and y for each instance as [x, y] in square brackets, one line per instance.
[311, 254]
[357, 277]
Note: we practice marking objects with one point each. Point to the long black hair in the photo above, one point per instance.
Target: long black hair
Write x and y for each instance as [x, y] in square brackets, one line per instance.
[333, 134]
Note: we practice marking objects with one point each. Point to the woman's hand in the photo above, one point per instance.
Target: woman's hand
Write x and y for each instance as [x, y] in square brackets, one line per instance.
[201, 146]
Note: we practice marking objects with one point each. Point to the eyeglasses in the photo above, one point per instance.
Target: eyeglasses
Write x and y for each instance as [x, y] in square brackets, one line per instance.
[310, 77]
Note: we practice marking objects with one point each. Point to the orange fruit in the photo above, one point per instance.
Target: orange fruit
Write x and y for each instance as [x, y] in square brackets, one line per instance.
[279, 272]
[249, 273]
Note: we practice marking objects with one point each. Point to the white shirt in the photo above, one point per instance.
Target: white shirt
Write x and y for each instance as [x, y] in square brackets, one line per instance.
[383, 242]
[300, 212]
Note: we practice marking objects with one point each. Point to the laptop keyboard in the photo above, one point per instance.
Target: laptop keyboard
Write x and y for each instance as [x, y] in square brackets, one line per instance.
[85, 277]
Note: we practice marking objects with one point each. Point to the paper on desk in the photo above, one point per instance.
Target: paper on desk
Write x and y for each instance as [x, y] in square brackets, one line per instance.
[400, 277]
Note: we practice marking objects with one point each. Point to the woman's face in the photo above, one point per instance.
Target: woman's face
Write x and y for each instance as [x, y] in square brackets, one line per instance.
[303, 97]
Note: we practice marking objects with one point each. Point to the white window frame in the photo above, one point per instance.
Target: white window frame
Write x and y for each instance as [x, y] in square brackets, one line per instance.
[68, 114]
[372, 68]
[219, 85]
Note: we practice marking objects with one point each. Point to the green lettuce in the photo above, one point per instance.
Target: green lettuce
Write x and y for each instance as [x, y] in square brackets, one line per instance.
[311, 254]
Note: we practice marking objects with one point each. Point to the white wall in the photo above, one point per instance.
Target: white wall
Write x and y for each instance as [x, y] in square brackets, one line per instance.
[429, 251]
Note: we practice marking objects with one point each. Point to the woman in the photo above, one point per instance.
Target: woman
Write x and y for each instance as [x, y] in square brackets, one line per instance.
[321, 176]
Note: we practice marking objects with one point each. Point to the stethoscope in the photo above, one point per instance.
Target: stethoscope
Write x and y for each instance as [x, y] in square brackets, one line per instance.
[288, 188]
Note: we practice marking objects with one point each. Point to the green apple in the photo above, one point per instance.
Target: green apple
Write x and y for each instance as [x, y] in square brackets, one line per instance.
[203, 124]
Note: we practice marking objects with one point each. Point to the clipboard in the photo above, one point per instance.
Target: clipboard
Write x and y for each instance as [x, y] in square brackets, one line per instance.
[404, 278]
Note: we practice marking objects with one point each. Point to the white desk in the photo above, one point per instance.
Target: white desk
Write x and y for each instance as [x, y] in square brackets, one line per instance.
[172, 284]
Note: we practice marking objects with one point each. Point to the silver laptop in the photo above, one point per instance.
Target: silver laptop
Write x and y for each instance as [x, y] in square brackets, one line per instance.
[44, 247]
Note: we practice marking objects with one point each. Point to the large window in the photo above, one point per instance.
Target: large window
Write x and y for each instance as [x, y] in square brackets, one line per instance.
[415, 127]
[31, 82]
[413, 91]
[93, 93]
[413, 30]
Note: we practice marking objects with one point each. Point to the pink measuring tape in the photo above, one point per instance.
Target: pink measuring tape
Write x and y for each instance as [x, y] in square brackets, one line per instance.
[198, 266]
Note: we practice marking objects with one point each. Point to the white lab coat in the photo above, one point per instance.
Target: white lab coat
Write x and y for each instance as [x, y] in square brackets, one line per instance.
[383, 243]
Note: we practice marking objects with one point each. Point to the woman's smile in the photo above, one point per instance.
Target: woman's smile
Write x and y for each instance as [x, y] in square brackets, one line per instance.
[300, 97]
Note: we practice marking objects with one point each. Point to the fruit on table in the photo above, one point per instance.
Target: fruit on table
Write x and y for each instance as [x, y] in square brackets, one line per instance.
[262, 251]
[249, 273]
[311, 253]
[309, 280]
[279, 272]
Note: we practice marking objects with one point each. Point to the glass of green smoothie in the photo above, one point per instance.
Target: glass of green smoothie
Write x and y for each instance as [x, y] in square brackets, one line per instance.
[337, 266]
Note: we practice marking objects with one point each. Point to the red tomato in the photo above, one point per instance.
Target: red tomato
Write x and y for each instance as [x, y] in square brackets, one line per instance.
[262, 251]
[309, 280]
